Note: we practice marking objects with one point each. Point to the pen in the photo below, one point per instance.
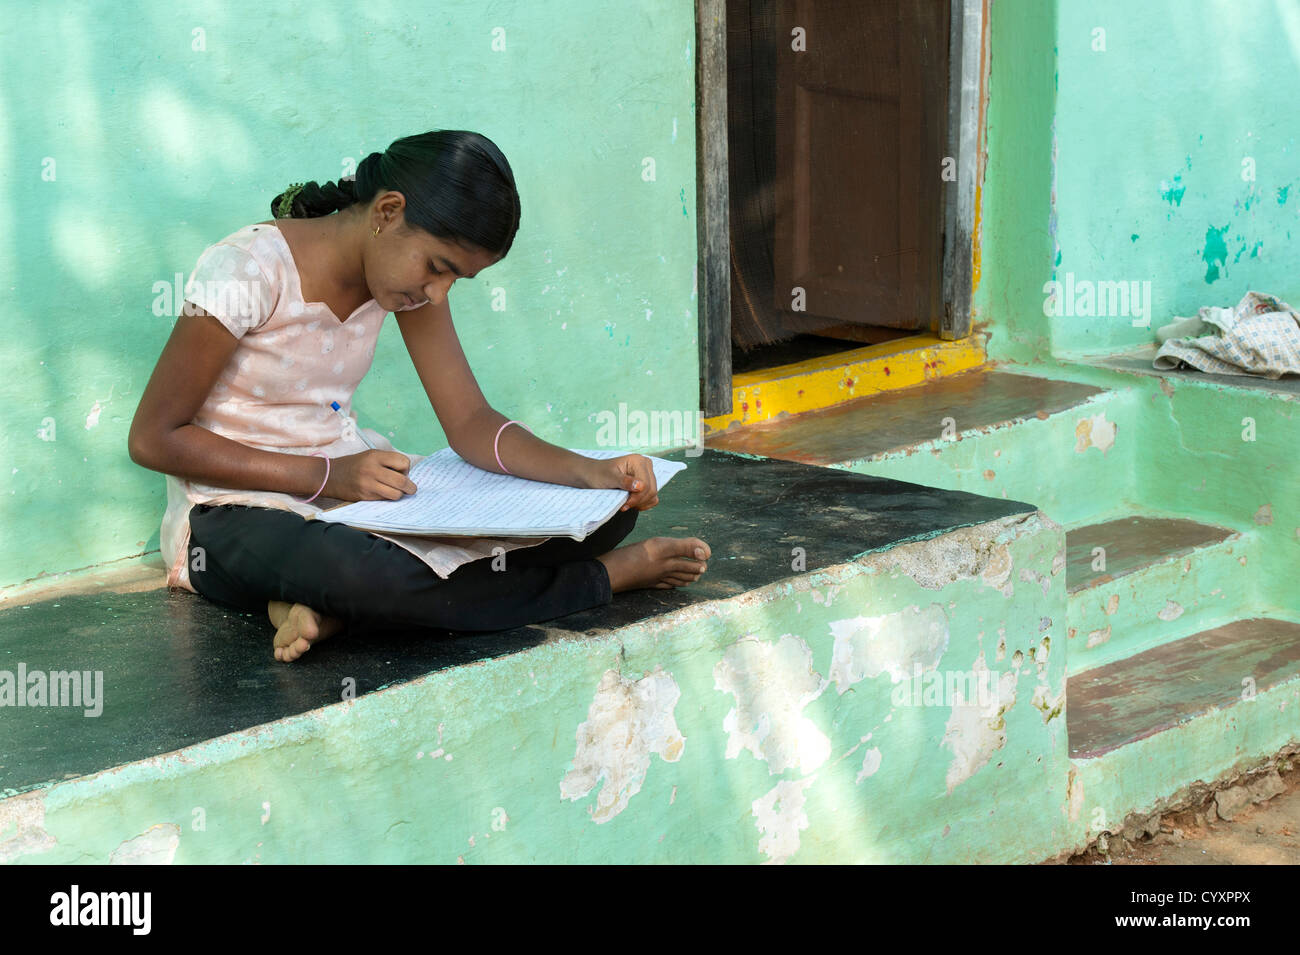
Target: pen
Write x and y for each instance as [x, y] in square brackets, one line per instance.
[350, 423]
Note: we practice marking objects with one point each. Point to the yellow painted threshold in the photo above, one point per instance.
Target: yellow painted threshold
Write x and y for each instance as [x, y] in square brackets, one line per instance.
[832, 379]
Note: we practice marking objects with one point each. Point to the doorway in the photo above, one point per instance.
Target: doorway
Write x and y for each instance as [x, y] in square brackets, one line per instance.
[836, 125]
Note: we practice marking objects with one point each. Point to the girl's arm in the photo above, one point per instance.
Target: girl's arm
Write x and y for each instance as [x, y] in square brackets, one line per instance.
[468, 421]
[471, 424]
[162, 437]
[524, 454]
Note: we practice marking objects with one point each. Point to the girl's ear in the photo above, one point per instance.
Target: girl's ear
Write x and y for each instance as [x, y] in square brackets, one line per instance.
[390, 207]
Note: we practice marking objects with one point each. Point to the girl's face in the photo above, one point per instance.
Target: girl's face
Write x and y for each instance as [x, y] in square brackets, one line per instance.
[407, 267]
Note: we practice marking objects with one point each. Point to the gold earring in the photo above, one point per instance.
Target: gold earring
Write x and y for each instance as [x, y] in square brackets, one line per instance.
[376, 231]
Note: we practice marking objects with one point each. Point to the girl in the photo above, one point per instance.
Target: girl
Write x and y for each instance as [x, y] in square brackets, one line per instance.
[281, 318]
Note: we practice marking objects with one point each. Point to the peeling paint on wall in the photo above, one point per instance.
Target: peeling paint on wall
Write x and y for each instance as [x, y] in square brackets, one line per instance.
[772, 683]
[964, 553]
[1171, 611]
[1031, 576]
[1172, 192]
[998, 572]
[780, 816]
[828, 597]
[972, 733]
[1215, 253]
[1094, 432]
[1049, 704]
[1074, 795]
[1058, 562]
[22, 827]
[155, 846]
[895, 643]
[626, 722]
[871, 760]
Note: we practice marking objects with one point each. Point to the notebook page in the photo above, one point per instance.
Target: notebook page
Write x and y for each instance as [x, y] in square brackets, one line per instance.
[455, 498]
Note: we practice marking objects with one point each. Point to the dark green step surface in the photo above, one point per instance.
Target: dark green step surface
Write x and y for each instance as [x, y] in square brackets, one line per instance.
[179, 670]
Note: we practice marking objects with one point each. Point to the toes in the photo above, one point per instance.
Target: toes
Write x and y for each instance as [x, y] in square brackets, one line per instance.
[292, 649]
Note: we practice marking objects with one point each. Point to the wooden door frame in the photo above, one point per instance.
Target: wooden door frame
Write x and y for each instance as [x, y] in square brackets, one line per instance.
[713, 227]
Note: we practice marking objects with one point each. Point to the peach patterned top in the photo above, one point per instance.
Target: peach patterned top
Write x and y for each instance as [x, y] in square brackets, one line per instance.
[292, 360]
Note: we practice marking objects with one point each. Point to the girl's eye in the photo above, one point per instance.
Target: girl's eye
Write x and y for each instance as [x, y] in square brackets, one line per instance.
[434, 270]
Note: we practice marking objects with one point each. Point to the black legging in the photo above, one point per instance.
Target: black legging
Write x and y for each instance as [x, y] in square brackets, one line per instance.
[252, 555]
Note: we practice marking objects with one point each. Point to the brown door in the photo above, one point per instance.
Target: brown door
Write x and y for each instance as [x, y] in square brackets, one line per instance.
[858, 94]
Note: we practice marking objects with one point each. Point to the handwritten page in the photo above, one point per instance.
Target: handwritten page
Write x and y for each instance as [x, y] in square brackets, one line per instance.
[455, 498]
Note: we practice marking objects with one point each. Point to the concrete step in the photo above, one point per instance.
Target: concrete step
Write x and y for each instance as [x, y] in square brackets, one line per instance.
[847, 683]
[1170, 685]
[1139, 361]
[1140, 581]
[148, 643]
[1145, 728]
[1053, 443]
[1219, 449]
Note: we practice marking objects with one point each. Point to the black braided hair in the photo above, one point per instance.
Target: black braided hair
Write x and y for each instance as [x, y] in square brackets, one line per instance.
[309, 200]
[457, 185]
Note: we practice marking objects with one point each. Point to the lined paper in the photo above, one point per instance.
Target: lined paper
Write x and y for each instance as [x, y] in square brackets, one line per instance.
[455, 498]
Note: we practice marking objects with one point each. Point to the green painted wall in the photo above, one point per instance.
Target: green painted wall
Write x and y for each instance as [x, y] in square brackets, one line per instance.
[1015, 246]
[125, 150]
[1168, 157]
[1042, 462]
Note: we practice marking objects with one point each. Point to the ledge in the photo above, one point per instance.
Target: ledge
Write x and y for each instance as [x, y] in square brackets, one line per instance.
[179, 670]
[1139, 362]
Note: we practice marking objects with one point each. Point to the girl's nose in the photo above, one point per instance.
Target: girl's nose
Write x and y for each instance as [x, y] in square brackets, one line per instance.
[437, 291]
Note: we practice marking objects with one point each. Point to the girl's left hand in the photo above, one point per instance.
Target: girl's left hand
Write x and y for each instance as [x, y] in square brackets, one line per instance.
[633, 473]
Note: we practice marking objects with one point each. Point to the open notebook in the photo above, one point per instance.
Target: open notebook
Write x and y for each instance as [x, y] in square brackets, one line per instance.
[457, 499]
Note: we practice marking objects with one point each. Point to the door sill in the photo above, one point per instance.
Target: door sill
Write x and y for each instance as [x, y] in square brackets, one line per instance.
[828, 380]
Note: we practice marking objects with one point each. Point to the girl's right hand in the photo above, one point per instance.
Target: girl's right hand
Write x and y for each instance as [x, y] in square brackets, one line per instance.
[369, 476]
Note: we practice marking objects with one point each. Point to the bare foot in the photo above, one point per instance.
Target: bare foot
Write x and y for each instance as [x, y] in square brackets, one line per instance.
[660, 563]
[297, 628]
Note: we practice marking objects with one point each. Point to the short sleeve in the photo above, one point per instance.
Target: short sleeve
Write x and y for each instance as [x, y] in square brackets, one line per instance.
[229, 284]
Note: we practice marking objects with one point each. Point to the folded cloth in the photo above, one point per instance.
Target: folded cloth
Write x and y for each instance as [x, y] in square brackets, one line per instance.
[1261, 336]
[1183, 328]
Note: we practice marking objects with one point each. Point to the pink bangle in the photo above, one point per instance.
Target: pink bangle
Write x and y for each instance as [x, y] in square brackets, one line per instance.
[319, 454]
[498, 440]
